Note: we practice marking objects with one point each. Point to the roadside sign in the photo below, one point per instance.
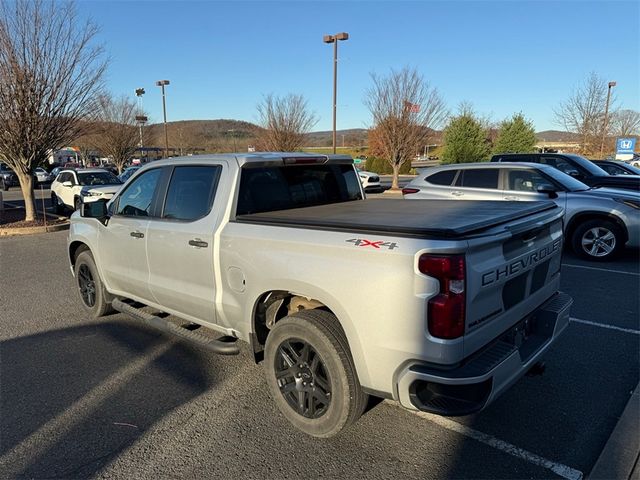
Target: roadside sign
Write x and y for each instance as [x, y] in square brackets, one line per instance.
[625, 145]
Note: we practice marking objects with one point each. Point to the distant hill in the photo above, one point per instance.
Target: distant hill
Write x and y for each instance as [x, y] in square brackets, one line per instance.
[557, 136]
[226, 135]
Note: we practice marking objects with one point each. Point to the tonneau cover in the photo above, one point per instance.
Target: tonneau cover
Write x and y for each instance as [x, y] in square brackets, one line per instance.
[415, 218]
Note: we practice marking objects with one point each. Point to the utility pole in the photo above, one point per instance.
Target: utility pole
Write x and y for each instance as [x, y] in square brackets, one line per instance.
[606, 115]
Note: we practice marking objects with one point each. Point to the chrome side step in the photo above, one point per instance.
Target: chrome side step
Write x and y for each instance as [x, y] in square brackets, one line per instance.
[165, 326]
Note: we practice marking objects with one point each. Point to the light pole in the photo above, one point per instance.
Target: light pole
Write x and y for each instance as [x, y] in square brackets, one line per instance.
[140, 118]
[606, 115]
[161, 84]
[334, 39]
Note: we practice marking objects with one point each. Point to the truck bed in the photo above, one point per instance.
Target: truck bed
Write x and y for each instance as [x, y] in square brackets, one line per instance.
[444, 219]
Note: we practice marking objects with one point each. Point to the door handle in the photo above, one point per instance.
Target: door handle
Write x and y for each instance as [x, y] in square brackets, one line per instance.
[196, 242]
[512, 197]
[457, 193]
[137, 234]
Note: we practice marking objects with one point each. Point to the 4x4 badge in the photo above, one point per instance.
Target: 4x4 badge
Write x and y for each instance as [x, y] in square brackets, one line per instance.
[362, 242]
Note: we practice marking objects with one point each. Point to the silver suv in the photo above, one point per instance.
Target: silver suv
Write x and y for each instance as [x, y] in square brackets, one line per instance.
[598, 221]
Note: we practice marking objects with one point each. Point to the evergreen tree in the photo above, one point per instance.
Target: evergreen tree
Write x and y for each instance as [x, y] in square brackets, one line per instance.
[516, 135]
[465, 140]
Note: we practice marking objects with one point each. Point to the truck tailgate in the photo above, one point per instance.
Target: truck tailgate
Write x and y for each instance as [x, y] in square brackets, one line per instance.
[434, 219]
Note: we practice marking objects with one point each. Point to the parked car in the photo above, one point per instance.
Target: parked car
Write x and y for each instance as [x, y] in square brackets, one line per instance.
[341, 297]
[128, 172]
[42, 175]
[370, 181]
[8, 178]
[578, 167]
[617, 167]
[72, 187]
[598, 221]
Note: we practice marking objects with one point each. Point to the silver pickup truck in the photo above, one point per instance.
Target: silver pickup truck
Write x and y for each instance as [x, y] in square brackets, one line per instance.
[439, 305]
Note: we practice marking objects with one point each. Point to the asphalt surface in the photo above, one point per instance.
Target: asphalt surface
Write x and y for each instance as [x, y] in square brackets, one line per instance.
[114, 399]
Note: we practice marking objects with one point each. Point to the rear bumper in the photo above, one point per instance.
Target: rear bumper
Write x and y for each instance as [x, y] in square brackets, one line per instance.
[481, 378]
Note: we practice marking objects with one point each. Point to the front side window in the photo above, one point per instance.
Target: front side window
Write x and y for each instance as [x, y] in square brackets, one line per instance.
[136, 200]
[526, 180]
[479, 178]
[191, 192]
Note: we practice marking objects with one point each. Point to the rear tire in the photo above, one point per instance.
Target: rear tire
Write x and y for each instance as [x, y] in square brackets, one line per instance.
[93, 296]
[311, 374]
[598, 240]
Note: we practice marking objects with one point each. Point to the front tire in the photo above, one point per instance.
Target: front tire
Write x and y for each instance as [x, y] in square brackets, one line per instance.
[76, 203]
[93, 295]
[56, 204]
[599, 240]
[311, 374]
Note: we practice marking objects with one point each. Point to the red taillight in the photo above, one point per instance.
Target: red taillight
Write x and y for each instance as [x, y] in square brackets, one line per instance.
[447, 309]
[407, 191]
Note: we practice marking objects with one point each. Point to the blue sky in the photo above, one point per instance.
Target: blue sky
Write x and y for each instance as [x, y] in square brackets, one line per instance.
[504, 57]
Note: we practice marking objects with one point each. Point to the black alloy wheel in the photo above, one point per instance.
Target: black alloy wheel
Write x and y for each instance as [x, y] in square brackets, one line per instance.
[303, 378]
[87, 286]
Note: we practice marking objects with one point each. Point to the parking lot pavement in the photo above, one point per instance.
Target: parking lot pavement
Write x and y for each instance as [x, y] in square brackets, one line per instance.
[112, 398]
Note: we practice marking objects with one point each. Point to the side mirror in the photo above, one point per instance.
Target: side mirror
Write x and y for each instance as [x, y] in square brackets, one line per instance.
[96, 209]
[548, 189]
[67, 184]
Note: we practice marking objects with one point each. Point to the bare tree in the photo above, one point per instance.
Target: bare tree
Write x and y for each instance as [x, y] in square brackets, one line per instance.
[626, 123]
[405, 108]
[116, 134]
[583, 112]
[50, 74]
[284, 122]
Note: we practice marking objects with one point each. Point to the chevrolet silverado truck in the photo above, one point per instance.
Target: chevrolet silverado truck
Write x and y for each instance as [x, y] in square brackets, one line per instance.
[439, 305]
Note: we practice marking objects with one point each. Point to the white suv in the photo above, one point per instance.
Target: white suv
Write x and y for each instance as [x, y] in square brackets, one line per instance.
[71, 187]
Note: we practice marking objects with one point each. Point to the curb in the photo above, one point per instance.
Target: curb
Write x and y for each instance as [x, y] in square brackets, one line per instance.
[620, 455]
[5, 232]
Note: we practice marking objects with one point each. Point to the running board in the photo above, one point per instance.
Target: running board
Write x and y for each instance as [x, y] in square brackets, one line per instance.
[215, 345]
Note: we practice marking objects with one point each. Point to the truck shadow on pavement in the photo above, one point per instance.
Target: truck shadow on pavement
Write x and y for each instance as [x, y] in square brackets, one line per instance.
[72, 399]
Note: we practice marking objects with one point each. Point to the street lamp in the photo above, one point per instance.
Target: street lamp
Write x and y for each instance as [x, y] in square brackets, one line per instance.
[334, 39]
[606, 115]
[161, 84]
[140, 118]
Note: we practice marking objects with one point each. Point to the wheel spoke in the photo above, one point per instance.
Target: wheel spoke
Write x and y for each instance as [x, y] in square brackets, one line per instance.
[607, 248]
[301, 399]
[321, 396]
[304, 354]
[288, 388]
[287, 372]
[608, 236]
[594, 249]
[286, 356]
[322, 383]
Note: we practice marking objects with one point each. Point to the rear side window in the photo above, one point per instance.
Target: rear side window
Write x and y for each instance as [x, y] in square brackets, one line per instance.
[268, 189]
[442, 178]
[479, 178]
[191, 192]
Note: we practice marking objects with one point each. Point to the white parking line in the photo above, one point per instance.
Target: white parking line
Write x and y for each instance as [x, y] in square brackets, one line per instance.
[559, 469]
[601, 269]
[604, 325]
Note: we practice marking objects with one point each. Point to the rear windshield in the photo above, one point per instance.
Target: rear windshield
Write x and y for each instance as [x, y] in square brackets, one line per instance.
[268, 189]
